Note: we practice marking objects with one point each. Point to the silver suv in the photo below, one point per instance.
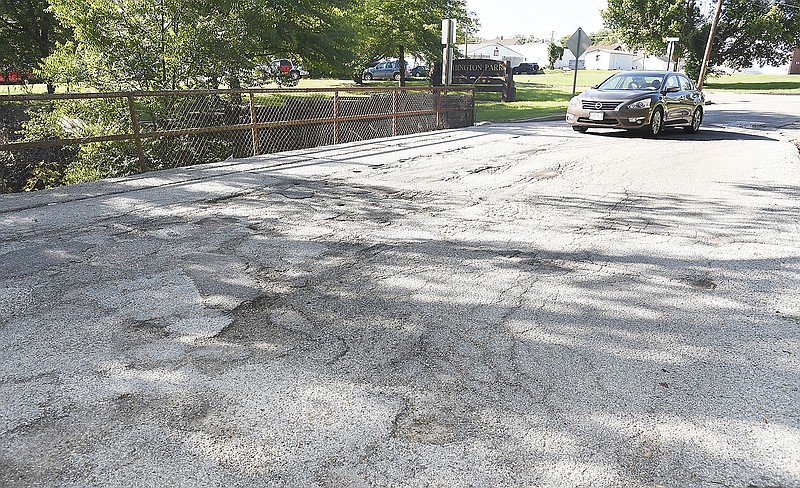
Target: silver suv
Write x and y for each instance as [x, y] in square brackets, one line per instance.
[384, 70]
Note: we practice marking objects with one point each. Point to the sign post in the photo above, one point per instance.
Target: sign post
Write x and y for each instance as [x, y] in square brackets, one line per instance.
[578, 44]
[448, 39]
[671, 51]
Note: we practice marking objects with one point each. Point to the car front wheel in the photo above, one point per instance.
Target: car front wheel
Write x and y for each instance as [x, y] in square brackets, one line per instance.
[396, 77]
[656, 123]
[697, 119]
[368, 76]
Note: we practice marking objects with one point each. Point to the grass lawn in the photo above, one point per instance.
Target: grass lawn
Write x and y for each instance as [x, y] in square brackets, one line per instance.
[754, 83]
[537, 95]
[549, 94]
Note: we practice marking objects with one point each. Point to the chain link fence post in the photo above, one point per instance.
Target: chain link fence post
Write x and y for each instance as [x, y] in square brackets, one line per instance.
[253, 122]
[438, 108]
[394, 113]
[137, 135]
[336, 117]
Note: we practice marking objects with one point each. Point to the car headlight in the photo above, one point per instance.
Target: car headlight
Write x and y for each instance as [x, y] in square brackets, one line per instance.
[574, 103]
[640, 104]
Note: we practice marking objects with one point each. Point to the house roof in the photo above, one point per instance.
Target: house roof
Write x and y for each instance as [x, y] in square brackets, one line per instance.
[471, 48]
[501, 40]
[642, 55]
[607, 47]
[611, 51]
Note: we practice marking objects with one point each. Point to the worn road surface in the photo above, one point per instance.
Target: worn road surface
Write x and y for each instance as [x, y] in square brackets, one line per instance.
[504, 305]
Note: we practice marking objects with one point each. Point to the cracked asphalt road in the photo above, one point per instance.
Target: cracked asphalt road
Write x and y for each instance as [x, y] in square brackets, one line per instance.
[503, 305]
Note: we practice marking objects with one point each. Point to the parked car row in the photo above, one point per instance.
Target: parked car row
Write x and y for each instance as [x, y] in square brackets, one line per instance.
[15, 75]
[390, 70]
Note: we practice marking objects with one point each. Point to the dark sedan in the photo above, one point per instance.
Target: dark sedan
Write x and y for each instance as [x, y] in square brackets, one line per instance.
[645, 100]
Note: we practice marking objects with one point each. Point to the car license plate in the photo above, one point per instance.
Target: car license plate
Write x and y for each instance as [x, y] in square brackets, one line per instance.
[595, 115]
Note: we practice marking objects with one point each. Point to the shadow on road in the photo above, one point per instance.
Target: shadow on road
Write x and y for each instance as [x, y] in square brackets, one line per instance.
[705, 134]
[513, 356]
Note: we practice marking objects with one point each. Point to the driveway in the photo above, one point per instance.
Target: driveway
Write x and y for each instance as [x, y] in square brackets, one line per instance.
[503, 305]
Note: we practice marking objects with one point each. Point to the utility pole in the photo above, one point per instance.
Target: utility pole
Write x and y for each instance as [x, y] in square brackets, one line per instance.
[704, 68]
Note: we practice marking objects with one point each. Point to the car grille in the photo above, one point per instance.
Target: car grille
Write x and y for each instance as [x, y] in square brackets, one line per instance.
[590, 105]
[598, 122]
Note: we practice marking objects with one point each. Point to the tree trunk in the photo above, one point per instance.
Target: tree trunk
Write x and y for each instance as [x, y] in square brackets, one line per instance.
[402, 66]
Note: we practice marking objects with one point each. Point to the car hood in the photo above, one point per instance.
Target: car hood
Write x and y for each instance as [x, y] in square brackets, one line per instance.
[615, 95]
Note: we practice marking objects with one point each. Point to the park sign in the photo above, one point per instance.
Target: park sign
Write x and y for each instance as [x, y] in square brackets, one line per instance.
[486, 75]
[579, 43]
[470, 70]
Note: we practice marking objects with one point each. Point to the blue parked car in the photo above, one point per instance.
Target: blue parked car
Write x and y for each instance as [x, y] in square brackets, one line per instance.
[384, 70]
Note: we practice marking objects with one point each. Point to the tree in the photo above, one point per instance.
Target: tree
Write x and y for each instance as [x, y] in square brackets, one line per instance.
[645, 23]
[384, 25]
[761, 31]
[554, 53]
[756, 31]
[29, 33]
[527, 39]
[158, 44]
[604, 37]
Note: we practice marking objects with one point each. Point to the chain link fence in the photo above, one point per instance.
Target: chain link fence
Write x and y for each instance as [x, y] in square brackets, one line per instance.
[53, 140]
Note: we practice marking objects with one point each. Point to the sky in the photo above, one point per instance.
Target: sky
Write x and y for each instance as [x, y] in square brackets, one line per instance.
[536, 17]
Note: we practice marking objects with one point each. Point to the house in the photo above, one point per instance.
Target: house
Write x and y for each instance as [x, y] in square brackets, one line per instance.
[644, 61]
[496, 50]
[534, 53]
[612, 57]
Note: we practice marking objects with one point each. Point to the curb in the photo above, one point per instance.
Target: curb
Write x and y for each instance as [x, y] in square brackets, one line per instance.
[546, 118]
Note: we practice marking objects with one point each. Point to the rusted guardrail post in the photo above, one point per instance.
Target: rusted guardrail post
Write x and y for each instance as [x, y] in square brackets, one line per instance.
[137, 134]
[394, 112]
[438, 108]
[336, 117]
[254, 129]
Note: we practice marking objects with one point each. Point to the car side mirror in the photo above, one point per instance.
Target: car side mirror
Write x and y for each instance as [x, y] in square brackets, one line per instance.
[595, 87]
[673, 89]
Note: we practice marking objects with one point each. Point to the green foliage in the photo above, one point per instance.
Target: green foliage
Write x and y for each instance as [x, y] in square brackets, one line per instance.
[383, 25]
[28, 31]
[756, 31]
[554, 53]
[44, 175]
[167, 44]
[70, 119]
[761, 31]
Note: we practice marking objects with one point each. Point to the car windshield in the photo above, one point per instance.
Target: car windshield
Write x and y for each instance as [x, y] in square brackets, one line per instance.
[632, 81]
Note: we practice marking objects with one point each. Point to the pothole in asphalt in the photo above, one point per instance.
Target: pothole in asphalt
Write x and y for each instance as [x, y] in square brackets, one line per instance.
[703, 284]
[545, 174]
[424, 431]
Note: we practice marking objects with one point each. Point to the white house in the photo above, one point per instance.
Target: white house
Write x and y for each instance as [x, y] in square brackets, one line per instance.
[608, 57]
[494, 50]
[533, 53]
[647, 62]
[568, 60]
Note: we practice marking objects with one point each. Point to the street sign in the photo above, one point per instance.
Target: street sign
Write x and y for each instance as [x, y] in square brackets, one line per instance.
[579, 43]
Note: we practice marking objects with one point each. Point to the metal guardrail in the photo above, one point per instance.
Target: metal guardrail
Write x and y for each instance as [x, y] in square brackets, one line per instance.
[161, 129]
